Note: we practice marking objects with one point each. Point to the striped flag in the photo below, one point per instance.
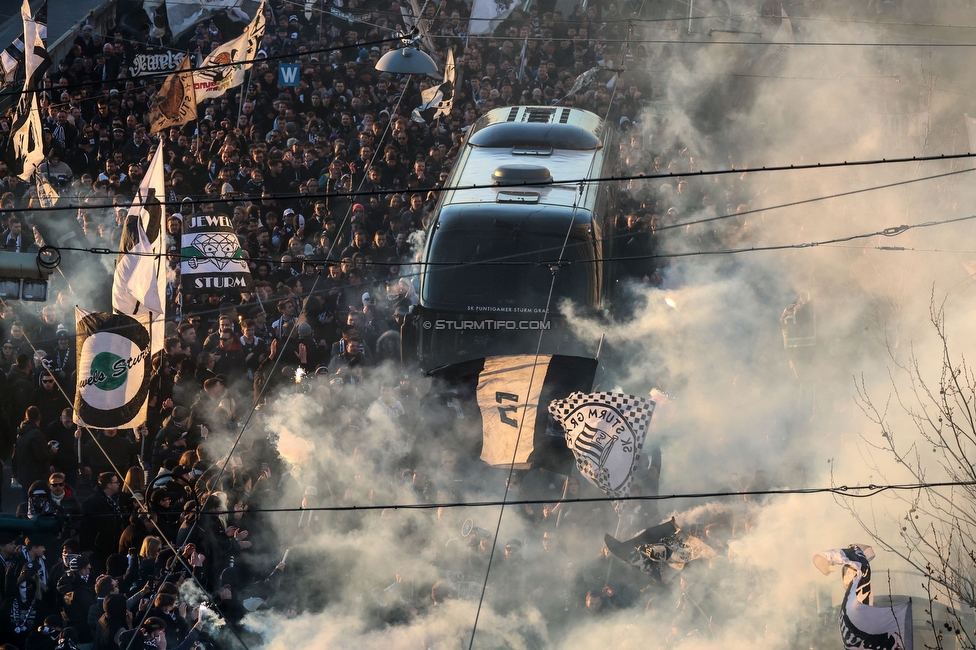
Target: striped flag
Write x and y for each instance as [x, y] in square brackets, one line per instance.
[861, 624]
[26, 145]
[438, 100]
[511, 394]
[13, 55]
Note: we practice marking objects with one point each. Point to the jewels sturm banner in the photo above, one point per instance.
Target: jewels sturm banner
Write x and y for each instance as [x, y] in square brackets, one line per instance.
[212, 259]
[114, 369]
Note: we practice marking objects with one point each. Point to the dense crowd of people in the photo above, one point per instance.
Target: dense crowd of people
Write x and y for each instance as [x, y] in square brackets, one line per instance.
[125, 525]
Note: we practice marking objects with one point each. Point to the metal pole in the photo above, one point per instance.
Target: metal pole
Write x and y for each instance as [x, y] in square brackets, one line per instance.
[691, 9]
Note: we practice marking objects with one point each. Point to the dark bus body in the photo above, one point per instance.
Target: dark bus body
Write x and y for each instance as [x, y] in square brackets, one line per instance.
[491, 253]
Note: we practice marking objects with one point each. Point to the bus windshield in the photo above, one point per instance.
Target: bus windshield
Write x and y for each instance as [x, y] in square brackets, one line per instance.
[499, 266]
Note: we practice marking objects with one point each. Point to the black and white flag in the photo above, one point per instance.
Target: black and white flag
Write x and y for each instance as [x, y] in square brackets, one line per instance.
[139, 285]
[437, 100]
[13, 55]
[26, 145]
[487, 15]
[114, 368]
[862, 625]
[605, 431]
[660, 551]
[510, 395]
[212, 259]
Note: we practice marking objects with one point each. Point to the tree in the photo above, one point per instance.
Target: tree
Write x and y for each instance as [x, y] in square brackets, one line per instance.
[928, 429]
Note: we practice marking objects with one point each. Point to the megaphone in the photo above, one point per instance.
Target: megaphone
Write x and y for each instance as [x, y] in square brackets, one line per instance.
[468, 529]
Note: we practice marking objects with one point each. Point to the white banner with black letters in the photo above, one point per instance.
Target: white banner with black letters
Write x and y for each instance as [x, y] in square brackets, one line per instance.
[211, 256]
[508, 395]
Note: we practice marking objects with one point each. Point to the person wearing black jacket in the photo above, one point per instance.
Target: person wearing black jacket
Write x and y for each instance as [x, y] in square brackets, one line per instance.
[104, 517]
[77, 594]
[33, 454]
[122, 453]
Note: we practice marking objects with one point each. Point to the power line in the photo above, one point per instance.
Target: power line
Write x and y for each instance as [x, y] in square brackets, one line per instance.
[815, 199]
[891, 231]
[540, 184]
[851, 491]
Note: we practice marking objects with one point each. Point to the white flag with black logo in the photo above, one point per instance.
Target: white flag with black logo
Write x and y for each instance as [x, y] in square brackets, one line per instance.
[225, 67]
[114, 369]
[605, 431]
[863, 625]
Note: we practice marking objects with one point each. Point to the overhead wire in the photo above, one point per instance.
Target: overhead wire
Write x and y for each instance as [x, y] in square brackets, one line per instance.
[870, 162]
[852, 491]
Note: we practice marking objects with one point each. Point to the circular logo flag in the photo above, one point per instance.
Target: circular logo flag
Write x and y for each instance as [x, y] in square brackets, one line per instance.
[114, 368]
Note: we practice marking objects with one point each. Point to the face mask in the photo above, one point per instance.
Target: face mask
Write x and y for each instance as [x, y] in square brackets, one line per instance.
[23, 591]
[85, 577]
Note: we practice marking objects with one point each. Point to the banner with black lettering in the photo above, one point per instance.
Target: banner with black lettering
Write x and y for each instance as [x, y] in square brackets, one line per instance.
[505, 394]
[211, 256]
[114, 368]
[605, 431]
[154, 61]
[862, 625]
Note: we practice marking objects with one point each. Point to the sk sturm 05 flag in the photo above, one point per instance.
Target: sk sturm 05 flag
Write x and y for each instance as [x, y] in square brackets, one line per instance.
[863, 626]
[114, 367]
[176, 103]
[506, 392]
[212, 260]
[605, 431]
[660, 551]
[225, 67]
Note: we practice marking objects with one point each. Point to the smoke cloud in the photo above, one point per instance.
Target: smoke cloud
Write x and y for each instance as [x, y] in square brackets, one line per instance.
[744, 411]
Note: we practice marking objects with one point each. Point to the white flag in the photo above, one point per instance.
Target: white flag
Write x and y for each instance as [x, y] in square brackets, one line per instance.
[486, 15]
[140, 270]
[225, 67]
[861, 624]
[605, 431]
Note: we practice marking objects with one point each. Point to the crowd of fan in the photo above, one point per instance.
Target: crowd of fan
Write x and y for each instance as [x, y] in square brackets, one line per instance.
[332, 286]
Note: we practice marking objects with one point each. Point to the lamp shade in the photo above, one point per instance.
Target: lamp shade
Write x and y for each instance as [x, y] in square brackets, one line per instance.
[407, 60]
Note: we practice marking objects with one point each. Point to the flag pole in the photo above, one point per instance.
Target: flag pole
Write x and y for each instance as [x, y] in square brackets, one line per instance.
[616, 532]
[559, 515]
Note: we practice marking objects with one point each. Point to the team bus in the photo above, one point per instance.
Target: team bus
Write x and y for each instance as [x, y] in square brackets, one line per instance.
[495, 241]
